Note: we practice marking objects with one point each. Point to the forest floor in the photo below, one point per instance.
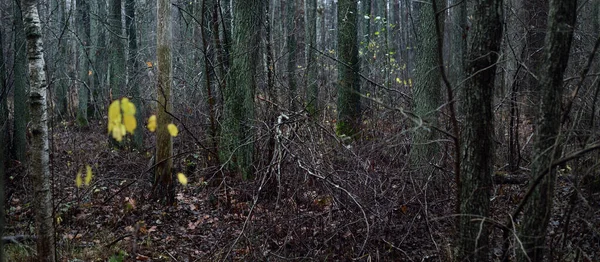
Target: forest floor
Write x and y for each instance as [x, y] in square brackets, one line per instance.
[314, 198]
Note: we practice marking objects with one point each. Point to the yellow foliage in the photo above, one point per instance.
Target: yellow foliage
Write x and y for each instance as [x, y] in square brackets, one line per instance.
[182, 179]
[78, 181]
[88, 176]
[173, 130]
[152, 123]
[121, 118]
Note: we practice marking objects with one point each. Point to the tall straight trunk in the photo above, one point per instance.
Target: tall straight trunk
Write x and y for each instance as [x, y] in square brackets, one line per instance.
[39, 167]
[546, 147]
[348, 82]
[117, 70]
[21, 111]
[85, 69]
[61, 93]
[237, 147]
[209, 72]
[427, 90]
[133, 68]
[291, 50]
[164, 188]
[310, 24]
[477, 154]
[458, 46]
[101, 62]
[3, 138]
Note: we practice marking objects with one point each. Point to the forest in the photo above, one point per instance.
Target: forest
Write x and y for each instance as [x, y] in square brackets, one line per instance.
[299, 130]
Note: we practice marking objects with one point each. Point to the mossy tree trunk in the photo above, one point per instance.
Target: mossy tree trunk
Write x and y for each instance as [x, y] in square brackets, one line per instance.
[348, 83]
[85, 69]
[237, 146]
[477, 154]
[427, 90]
[39, 167]
[561, 21]
[164, 189]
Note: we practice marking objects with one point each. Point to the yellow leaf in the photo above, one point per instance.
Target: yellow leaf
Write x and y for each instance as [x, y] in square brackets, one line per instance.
[410, 82]
[398, 80]
[114, 114]
[89, 72]
[182, 179]
[127, 107]
[173, 130]
[88, 176]
[130, 123]
[152, 123]
[118, 132]
[78, 181]
[149, 64]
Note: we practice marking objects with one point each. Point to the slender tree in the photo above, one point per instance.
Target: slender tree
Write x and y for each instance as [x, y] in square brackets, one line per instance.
[348, 83]
[39, 166]
[236, 144]
[101, 61]
[291, 52]
[163, 181]
[310, 24]
[133, 67]
[427, 89]
[19, 146]
[85, 70]
[117, 70]
[477, 152]
[3, 138]
[561, 22]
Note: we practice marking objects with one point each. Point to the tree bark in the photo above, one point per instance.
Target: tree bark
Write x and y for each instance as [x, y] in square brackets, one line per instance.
[561, 21]
[39, 164]
[427, 90]
[164, 188]
[21, 112]
[133, 68]
[348, 82]
[310, 23]
[85, 70]
[477, 154]
[237, 134]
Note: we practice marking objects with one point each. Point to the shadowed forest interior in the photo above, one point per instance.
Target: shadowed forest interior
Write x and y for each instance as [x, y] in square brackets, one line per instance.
[327, 130]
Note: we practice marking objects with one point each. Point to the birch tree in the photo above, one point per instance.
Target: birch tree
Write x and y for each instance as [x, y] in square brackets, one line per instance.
[39, 162]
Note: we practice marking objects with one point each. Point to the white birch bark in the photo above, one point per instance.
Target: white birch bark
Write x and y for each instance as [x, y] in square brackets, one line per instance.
[39, 161]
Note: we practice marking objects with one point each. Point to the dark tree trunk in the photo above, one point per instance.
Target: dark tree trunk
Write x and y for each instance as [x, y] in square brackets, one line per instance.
[348, 84]
[561, 22]
[477, 152]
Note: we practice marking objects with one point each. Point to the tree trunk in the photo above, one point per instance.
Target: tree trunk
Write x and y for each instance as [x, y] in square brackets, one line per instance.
[133, 68]
[477, 154]
[237, 134]
[39, 164]
[3, 138]
[85, 70]
[164, 188]
[310, 24]
[427, 90]
[561, 21]
[21, 112]
[348, 83]
[117, 68]
[291, 50]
